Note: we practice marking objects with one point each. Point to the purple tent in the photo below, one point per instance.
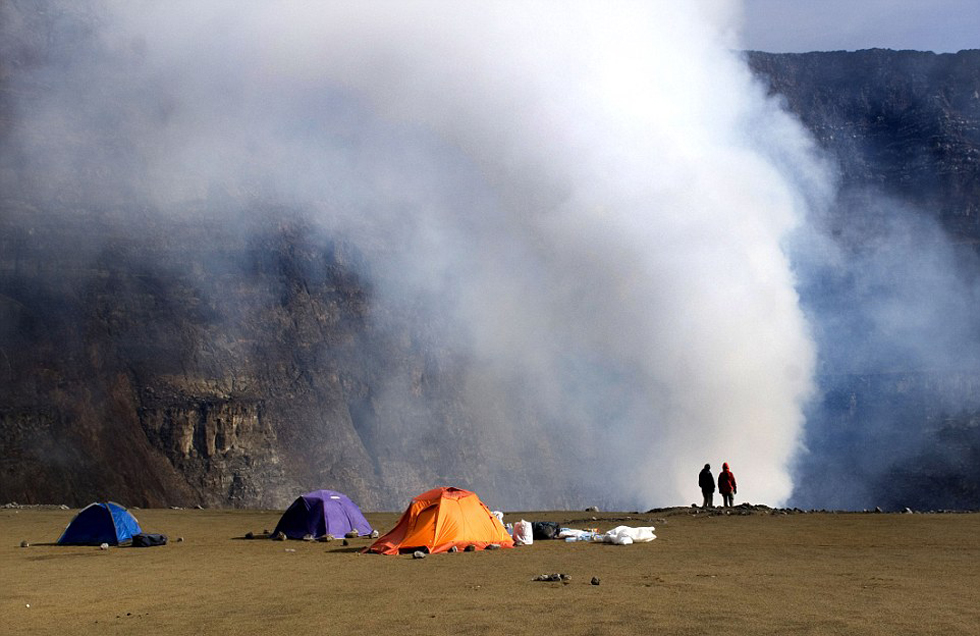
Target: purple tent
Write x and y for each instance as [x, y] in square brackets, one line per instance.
[322, 512]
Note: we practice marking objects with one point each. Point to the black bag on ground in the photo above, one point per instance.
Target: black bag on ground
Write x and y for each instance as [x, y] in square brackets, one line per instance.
[149, 540]
[544, 530]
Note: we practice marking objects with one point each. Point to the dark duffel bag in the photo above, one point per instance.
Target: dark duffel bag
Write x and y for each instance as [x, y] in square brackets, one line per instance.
[544, 530]
[149, 540]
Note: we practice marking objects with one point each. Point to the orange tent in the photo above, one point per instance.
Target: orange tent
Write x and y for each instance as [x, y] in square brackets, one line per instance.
[440, 519]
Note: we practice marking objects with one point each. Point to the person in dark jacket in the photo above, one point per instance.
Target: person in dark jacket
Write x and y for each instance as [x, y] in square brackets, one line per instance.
[727, 486]
[707, 483]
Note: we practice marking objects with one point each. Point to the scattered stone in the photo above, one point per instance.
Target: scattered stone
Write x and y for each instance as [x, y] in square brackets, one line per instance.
[907, 511]
[25, 544]
[180, 539]
[309, 537]
[104, 546]
[470, 548]
[493, 546]
[454, 549]
[877, 509]
[176, 508]
[595, 580]
[375, 534]
[592, 509]
[325, 538]
[199, 507]
[265, 531]
[62, 507]
[290, 550]
[552, 577]
[418, 554]
[249, 535]
[279, 536]
[353, 534]
[345, 542]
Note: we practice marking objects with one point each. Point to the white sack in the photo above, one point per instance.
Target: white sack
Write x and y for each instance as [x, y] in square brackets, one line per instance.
[625, 535]
[523, 533]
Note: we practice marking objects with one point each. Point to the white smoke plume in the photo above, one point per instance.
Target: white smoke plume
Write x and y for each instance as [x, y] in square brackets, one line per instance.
[599, 193]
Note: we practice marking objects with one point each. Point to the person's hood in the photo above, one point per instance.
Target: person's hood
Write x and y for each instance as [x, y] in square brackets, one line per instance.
[724, 466]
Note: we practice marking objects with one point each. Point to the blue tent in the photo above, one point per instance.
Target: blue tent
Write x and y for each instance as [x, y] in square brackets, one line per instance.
[100, 523]
[322, 512]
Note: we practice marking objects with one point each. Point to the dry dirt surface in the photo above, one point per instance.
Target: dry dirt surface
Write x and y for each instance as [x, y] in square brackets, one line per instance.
[751, 572]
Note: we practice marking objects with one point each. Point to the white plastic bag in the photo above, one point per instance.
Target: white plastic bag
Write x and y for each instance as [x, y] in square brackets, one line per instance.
[523, 533]
[625, 535]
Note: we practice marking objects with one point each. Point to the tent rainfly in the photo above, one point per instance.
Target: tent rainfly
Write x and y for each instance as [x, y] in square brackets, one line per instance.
[441, 518]
[101, 522]
[320, 513]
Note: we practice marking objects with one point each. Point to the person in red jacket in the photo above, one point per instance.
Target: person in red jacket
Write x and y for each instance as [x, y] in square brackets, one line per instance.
[726, 485]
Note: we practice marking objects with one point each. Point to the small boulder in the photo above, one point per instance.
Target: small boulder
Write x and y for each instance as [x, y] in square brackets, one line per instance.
[595, 580]
[418, 554]
[493, 546]
[25, 544]
[470, 548]
[249, 535]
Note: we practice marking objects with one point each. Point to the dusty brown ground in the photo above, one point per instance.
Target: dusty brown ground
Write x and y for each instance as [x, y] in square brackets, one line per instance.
[720, 575]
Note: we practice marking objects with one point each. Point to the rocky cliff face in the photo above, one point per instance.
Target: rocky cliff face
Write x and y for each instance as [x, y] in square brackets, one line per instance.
[182, 359]
[901, 123]
[895, 421]
[190, 367]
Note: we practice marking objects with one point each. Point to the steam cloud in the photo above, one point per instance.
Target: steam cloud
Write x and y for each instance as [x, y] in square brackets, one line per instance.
[598, 194]
[892, 302]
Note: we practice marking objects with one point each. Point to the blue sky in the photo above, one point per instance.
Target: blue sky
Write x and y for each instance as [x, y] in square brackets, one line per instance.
[780, 26]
